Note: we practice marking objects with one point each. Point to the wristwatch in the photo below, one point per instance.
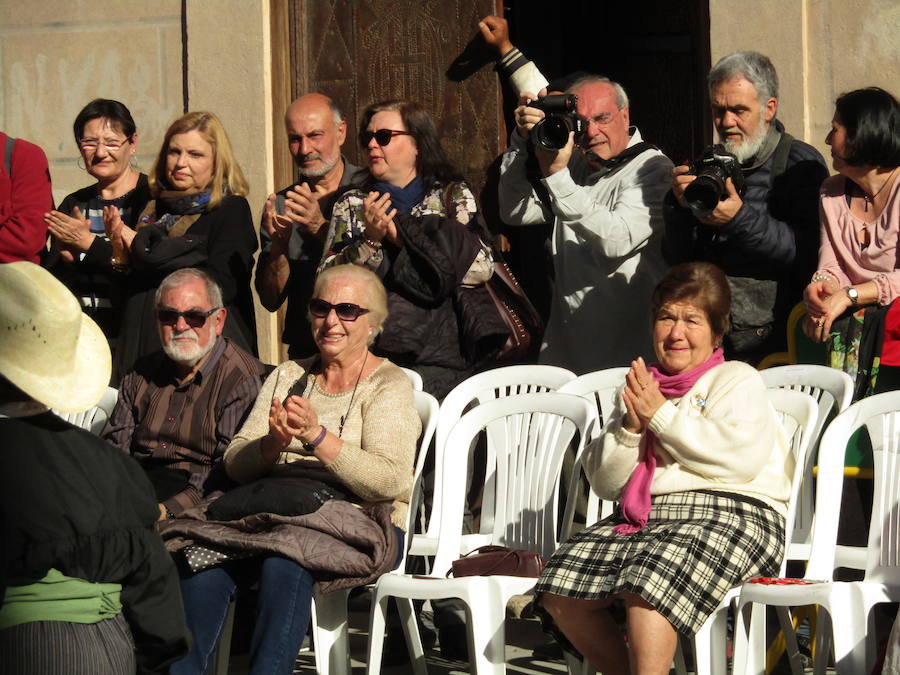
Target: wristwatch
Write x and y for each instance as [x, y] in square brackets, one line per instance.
[853, 294]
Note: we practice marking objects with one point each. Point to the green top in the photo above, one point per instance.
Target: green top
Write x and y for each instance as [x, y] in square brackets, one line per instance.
[57, 597]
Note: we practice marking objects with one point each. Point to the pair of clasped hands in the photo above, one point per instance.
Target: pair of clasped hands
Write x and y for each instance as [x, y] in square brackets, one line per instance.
[296, 418]
[641, 396]
[73, 233]
[302, 210]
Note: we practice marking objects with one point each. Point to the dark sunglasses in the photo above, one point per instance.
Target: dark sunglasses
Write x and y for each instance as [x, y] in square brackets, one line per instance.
[382, 136]
[194, 318]
[346, 311]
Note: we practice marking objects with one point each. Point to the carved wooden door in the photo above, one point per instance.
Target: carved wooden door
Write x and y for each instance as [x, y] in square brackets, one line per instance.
[363, 51]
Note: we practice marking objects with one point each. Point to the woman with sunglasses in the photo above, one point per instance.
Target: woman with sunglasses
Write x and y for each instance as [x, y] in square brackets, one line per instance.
[344, 417]
[81, 252]
[415, 226]
[198, 218]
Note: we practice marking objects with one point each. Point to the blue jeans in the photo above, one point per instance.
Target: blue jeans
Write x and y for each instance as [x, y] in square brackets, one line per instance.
[283, 609]
[282, 612]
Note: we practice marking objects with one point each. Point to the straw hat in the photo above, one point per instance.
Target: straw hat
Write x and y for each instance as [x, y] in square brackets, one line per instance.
[49, 348]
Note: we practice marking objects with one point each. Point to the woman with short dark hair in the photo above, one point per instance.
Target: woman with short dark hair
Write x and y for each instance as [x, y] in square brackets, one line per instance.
[857, 279]
[106, 136]
[701, 468]
[415, 226]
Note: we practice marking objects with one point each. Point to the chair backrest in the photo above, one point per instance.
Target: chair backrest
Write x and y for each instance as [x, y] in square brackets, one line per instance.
[798, 413]
[414, 378]
[600, 388]
[94, 418]
[475, 390]
[530, 434]
[880, 414]
[833, 390]
[428, 409]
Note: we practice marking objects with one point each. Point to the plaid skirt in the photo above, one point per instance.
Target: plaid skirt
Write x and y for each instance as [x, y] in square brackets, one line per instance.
[696, 547]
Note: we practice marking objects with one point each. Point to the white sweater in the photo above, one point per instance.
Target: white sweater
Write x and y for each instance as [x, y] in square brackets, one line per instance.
[722, 435]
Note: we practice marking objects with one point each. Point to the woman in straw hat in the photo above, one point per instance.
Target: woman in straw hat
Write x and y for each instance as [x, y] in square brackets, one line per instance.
[85, 584]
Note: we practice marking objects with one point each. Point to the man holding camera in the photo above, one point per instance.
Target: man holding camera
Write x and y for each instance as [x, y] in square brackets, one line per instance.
[764, 234]
[602, 187]
[295, 220]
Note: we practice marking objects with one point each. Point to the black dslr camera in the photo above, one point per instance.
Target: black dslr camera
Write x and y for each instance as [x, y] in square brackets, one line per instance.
[560, 117]
[712, 169]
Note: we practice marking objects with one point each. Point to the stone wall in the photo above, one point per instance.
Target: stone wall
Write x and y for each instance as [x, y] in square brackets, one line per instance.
[820, 48]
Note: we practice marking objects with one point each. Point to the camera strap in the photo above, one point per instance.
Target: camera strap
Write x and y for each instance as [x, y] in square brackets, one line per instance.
[780, 156]
[609, 165]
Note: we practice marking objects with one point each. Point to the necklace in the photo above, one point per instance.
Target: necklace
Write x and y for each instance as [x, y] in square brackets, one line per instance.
[352, 396]
[871, 200]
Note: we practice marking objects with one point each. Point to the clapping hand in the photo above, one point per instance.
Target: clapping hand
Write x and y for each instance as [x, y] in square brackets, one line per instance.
[641, 396]
[379, 218]
[72, 232]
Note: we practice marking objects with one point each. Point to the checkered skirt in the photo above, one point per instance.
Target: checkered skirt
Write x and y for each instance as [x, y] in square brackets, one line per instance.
[696, 546]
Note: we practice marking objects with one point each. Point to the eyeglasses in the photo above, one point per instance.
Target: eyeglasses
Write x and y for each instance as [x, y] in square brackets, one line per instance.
[602, 119]
[194, 318]
[382, 136]
[111, 145]
[346, 311]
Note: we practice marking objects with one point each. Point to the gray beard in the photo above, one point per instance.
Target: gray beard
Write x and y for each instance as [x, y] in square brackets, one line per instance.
[179, 357]
[748, 147]
[318, 173]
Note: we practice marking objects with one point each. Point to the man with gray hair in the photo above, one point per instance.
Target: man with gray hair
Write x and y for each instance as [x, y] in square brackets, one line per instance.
[765, 238]
[179, 407]
[603, 193]
[295, 220]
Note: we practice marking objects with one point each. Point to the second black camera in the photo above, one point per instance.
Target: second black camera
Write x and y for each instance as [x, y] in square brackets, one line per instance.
[712, 168]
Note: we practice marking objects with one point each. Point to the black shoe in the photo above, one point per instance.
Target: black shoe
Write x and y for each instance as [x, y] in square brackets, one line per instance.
[454, 643]
[395, 650]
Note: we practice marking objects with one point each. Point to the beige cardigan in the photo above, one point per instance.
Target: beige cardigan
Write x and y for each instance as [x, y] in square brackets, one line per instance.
[380, 435]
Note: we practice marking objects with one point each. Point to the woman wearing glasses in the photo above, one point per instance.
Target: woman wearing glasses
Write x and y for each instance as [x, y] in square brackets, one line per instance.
[415, 227]
[198, 218]
[81, 252]
[345, 418]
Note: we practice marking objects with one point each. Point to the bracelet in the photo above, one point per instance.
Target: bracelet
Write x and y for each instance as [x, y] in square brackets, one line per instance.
[371, 243]
[819, 276]
[317, 441]
[118, 264]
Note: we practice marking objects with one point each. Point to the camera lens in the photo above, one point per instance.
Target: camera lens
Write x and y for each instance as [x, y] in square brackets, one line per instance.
[552, 132]
[703, 194]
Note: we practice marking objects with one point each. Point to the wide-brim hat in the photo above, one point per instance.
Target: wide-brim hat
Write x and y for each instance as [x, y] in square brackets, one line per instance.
[49, 348]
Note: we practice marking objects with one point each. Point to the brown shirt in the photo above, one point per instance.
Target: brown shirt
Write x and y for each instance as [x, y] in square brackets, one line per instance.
[186, 427]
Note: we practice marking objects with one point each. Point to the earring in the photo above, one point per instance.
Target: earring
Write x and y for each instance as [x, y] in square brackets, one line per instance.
[80, 163]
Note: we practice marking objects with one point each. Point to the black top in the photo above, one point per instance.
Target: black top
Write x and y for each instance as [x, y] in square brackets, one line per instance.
[73, 502]
[90, 277]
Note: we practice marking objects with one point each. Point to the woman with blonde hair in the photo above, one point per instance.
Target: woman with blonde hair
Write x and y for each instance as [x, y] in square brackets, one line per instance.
[198, 218]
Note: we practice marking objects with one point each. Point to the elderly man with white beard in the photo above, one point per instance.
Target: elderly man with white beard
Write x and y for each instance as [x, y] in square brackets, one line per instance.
[179, 408]
[766, 239]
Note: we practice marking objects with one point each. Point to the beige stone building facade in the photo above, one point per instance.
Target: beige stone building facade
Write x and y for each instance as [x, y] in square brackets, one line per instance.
[58, 54]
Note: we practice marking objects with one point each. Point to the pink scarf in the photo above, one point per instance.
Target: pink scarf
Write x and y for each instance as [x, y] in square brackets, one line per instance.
[635, 501]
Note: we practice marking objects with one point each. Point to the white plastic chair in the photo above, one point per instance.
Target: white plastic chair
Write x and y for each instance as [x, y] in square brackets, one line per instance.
[833, 390]
[329, 614]
[850, 602]
[94, 418]
[481, 387]
[414, 378]
[530, 434]
[799, 414]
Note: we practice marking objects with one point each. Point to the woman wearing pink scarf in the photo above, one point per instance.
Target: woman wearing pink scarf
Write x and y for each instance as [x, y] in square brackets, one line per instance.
[697, 460]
